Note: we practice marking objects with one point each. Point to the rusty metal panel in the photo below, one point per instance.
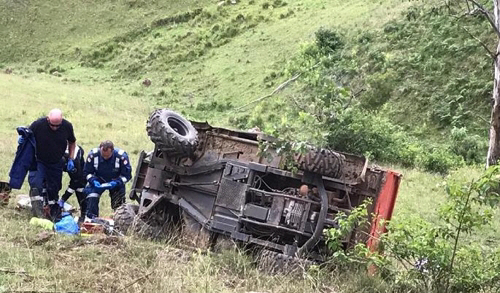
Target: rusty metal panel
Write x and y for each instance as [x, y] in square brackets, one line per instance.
[245, 150]
[384, 206]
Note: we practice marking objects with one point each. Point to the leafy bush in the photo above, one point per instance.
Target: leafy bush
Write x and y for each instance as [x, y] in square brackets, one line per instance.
[421, 256]
[366, 97]
[328, 40]
[471, 147]
[356, 131]
[439, 160]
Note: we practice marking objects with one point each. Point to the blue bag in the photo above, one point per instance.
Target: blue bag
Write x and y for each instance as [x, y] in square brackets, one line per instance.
[67, 225]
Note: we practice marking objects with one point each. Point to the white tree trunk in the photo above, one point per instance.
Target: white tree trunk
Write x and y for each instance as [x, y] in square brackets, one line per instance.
[494, 147]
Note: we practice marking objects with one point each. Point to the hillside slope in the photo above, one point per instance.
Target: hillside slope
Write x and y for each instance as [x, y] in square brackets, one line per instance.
[224, 54]
[409, 63]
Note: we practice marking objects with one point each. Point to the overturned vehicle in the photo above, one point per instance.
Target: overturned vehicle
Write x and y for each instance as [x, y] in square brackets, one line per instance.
[215, 185]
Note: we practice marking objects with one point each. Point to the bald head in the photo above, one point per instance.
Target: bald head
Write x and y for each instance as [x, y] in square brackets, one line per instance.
[55, 117]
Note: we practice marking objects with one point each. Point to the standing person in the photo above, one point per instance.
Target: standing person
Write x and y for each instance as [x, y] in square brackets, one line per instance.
[106, 168]
[53, 134]
[77, 181]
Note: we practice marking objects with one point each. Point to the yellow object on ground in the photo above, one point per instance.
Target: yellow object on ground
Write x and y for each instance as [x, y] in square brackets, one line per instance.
[43, 223]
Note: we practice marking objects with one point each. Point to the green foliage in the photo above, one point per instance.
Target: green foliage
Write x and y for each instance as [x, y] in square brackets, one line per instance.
[469, 146]
[379, 94]
[327, 113]
[345, 225]
[328, 40]
[439, 160]
[422, 256]
[359, 256]
[438, 257]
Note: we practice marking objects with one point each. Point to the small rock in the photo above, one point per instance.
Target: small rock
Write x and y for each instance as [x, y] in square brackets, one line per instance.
[256, 129]
[42, 237]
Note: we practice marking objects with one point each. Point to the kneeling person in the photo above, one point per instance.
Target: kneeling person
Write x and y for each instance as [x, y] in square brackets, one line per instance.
[106, 168]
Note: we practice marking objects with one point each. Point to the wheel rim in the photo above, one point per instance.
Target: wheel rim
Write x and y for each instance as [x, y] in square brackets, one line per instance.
[177, 126]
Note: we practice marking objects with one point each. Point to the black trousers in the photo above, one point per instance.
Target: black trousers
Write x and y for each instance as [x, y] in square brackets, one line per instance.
[76, 186]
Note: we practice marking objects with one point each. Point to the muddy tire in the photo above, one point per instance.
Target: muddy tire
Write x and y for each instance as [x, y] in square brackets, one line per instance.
[172, 133]
[124, 217]
[274, 262]
[322, 161]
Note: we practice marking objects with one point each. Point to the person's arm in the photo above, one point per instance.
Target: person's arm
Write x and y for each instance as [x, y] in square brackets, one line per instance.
[125, 169]
[71, 150]
[71, 141]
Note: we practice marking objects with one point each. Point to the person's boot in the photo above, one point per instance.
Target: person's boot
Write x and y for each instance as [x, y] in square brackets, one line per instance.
[36, 200]
[55, 212]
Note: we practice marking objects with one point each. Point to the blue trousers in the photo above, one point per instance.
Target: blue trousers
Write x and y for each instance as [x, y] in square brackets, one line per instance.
[48, 176]
[93, 195]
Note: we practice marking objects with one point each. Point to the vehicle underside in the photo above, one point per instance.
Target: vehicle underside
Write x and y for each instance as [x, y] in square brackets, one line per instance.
[222, 187]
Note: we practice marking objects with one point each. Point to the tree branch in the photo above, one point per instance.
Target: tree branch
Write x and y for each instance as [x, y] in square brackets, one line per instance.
[491, 54]
[11, 271]
[484, 120]
[457, 237]
[480, 8]
[279, 88]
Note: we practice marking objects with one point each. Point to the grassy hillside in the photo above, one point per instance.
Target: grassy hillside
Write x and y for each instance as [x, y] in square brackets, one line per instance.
[402, 62]
[32, 30]
[421, 75]
[223, 54]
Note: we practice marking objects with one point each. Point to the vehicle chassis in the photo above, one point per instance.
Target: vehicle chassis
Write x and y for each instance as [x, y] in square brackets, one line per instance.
[233, 190]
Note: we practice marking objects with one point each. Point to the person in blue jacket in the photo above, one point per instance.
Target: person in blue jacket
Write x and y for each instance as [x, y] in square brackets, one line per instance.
[106, 168]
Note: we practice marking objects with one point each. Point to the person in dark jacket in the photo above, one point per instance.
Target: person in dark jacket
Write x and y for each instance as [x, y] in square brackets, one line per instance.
[53, 135]
[77, 181]
[106, 168]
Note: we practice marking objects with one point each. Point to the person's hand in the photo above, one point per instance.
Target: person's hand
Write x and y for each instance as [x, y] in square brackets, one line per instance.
[20, 139]
[110, 185]
[95, 183]
[60, 203]
[71, 166]
[113, 184]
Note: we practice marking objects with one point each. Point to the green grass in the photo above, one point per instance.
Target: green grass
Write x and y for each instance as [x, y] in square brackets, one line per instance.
[232, 71]
[105, 100]
[421, 194]
[85, 264]
[98, 112]
[47, 29]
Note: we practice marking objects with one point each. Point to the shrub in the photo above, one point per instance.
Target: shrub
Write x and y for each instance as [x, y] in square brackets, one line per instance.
[328, 40]
[439, 160]
[469, 146]
[422, 256]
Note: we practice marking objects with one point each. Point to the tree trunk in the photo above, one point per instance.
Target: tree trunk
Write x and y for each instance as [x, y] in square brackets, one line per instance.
[494, 148]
